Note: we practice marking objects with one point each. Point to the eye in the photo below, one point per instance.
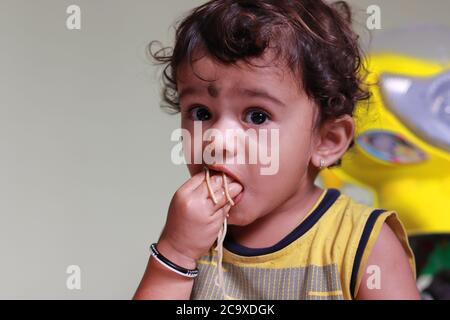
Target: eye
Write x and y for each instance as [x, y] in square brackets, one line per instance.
[200, 114]
[257, 117]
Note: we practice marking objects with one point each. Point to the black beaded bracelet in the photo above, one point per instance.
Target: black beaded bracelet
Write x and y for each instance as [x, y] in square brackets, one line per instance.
[170, 265]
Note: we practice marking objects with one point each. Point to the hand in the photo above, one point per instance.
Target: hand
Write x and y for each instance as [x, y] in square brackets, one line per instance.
[194, 221]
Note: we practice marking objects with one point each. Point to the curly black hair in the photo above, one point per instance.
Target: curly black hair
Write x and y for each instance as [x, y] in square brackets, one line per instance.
[314, 38]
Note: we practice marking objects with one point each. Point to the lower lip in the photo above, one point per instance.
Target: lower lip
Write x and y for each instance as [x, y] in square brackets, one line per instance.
[238, 198]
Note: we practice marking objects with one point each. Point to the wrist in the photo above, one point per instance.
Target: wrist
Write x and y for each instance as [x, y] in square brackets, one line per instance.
[168, 251]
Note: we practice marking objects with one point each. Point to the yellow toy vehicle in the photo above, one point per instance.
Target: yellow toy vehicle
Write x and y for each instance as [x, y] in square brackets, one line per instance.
[402, 144]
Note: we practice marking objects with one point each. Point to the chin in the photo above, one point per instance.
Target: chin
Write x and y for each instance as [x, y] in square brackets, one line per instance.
[239, 217]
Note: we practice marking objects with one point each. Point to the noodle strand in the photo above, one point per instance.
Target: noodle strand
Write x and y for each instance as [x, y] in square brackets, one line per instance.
[219, 280]
[227, 193]
[208, 184]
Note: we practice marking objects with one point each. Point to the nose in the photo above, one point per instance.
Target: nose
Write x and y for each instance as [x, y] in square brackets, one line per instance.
[221, 142]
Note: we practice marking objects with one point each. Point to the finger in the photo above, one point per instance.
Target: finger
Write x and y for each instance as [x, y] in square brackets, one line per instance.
[194, 182]
[215, 185]
[226, 211]
[220, 215]
[234, 189]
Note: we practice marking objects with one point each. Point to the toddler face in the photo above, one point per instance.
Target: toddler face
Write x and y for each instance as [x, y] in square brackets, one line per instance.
[247, 99]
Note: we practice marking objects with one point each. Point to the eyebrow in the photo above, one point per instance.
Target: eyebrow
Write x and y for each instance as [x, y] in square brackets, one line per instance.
[189, 91]
[261, 93]
[249, 92]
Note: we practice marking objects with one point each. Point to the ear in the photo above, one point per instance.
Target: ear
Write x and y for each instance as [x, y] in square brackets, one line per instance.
[333, 140]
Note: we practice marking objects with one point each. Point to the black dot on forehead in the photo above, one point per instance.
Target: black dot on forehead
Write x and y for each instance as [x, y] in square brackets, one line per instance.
[213, 91]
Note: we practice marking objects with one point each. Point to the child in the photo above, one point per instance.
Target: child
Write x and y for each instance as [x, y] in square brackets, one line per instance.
[294, 67]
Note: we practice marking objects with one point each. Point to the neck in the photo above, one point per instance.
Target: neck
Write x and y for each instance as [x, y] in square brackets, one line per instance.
[275, 225]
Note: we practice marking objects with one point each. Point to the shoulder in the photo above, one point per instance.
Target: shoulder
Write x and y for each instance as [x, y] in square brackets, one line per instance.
[388, 273]
[369, 240]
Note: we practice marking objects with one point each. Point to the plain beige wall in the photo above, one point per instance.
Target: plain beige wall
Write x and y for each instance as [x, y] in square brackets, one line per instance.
[86, 176]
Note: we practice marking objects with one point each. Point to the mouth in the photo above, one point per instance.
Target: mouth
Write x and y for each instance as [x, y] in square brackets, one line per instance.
[218, 170]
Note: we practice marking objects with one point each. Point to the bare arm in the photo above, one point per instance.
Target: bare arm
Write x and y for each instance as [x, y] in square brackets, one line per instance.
[160, 283]
[193, 223]
[396, 277]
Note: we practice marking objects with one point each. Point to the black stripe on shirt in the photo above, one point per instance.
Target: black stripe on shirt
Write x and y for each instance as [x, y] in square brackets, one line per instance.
[362, 246]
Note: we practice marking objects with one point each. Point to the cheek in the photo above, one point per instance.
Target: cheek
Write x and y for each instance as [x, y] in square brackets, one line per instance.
[192, 146]
[292, 161]
[295, 152]
[194, 169]
[295, 155]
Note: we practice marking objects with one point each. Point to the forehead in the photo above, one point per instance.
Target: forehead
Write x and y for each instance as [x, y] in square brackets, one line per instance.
[208, 75]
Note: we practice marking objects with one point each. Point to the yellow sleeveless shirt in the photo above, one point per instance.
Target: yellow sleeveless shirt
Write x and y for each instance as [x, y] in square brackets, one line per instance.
[324, 257]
